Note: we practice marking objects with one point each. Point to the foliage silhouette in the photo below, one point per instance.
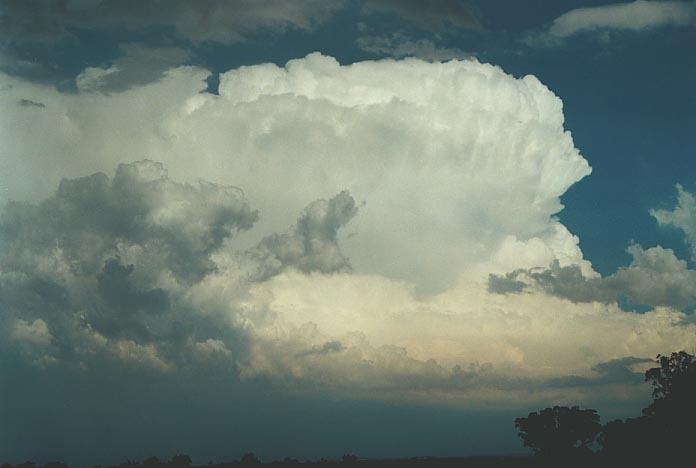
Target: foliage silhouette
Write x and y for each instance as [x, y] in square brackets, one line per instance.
[54, 464]
[27, 464]
[250, 459]
[665, 431]
[559, 431]
[181, 460]
[674, 384]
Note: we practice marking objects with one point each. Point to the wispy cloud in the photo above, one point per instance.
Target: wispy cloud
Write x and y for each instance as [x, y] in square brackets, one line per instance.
[400, 45]
[640, 15]
[139, 65]
[431, 15]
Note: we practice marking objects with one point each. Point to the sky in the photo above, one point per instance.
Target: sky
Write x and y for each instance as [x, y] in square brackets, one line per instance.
[306, 228]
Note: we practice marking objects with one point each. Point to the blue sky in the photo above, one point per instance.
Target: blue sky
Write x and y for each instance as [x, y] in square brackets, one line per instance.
[377, 243]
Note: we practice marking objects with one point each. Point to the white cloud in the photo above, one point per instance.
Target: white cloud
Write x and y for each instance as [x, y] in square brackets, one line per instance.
[682, 217]
[635, 16]
[141, 356]
[36, 332]
[453, 171]
[392, 342]
[456, 159]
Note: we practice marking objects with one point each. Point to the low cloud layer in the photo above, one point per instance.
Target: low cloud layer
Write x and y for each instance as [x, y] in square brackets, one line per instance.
[655, 277]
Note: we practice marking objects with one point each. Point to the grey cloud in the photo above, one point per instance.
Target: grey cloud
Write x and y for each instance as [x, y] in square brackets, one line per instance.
[506, 284]
[327, 348]
[105, 263]
[30, 103]
[616, 371]
[127, 306]
[655, 277]
[199, 21]
[399, 45]
[88, 218]
[34, 19]
[106, 268]
[431, 15]
[312, 244]
[567, 282]
[138, 66]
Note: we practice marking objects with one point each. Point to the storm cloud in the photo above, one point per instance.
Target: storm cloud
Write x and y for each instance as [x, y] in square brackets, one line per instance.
[104, 262]
[377, 199]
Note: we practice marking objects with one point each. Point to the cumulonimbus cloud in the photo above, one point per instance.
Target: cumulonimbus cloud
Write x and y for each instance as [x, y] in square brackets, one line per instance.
[424, 178]
[454, 174]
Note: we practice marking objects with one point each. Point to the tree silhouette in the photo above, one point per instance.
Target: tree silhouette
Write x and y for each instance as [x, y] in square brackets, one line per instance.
[250, 459]
[559, 430]
[627, 441]
[181, 460]
[54, 464]
[664, 434]
[674, 384]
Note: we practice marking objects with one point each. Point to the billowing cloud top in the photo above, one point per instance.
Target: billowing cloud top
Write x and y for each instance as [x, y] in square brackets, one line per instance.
[377, 199]
[456, 159]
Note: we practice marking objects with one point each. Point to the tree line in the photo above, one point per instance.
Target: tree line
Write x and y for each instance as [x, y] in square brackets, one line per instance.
[184, 461]
[663, 435]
